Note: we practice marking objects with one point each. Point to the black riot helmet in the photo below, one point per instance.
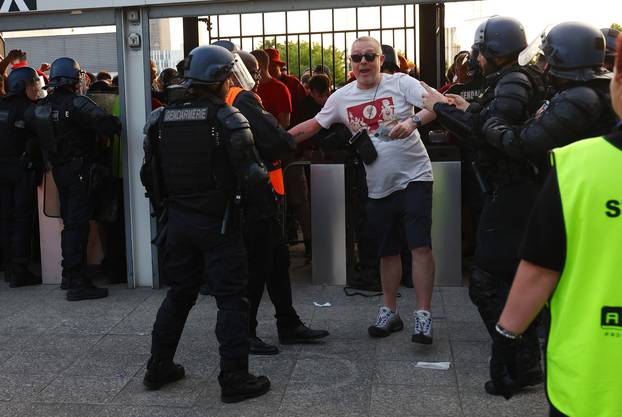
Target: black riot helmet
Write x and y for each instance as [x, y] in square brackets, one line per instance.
[228, 45]
[610, 35]
[18, 80]
[65, 71]
[391, 62]
[211, 64]
[575, 51]
[500, 37]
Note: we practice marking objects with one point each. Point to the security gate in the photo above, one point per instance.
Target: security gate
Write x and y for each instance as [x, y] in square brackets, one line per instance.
[307, 38]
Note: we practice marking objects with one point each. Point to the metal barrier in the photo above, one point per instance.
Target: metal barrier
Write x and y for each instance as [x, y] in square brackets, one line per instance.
[289, 42]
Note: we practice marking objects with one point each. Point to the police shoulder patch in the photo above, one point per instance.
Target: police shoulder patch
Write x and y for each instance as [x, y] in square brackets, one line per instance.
[191, 114]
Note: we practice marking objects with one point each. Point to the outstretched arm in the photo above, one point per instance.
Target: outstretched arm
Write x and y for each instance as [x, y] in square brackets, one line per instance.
[305, 130]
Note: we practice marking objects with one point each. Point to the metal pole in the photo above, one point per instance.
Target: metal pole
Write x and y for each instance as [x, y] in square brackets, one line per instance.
[310, 46]
[381, 27]
[263, 30]
[334, 63]
[300, 73]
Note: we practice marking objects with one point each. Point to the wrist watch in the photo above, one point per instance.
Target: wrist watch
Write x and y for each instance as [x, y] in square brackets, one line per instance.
[417, 120]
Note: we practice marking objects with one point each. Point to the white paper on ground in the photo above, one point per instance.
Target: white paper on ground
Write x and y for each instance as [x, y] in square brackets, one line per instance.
[326, 304]
[442, 366]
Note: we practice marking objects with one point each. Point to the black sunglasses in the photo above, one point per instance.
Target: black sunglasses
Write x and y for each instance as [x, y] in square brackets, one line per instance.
[358, 57]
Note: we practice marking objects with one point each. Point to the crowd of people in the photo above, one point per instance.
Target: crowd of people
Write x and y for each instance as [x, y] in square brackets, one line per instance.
[218, 167]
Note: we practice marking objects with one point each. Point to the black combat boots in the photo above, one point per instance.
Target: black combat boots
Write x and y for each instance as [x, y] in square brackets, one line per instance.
[20, 276]
[160, 373]
[237, 384]
[81, 288]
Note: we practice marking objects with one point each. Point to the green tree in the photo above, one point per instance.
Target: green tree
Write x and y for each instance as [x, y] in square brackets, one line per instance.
[316, 58]
[616, 26]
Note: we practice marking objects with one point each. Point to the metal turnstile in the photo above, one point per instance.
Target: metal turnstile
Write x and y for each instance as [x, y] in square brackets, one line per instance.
[447, 223]
[328, 223]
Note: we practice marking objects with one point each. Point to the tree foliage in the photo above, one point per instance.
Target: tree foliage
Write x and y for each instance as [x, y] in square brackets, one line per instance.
[616, 26]
[317, 52]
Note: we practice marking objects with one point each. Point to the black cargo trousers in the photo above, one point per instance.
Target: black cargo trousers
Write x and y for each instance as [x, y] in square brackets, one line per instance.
[502, 223]
[196, 248]
[17, 204]
[75, 209]
[268, 261]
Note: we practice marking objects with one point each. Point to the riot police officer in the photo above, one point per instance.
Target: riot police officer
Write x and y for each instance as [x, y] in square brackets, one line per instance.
[268, 255]
[76, 121]
[200, 168]
[19, 173]
[574, 53]
[512, 93]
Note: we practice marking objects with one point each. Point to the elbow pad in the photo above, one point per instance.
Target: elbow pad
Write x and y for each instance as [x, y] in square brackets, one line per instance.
[503, 137]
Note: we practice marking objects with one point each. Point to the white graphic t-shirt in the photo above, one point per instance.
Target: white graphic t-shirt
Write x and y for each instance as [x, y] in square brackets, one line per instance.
[400, 161]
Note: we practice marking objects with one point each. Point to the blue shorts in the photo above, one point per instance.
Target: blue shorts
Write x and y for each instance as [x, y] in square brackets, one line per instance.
[404, 216]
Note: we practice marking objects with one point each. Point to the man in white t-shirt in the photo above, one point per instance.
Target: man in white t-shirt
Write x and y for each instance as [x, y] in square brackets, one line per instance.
[399, 181]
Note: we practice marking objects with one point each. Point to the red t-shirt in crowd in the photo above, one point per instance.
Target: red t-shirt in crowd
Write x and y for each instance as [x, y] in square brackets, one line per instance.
[296, 89]
[275, 97]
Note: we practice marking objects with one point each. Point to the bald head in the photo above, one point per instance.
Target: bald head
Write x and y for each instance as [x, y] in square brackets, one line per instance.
[250, 62]
[371, 40]
[262, 59]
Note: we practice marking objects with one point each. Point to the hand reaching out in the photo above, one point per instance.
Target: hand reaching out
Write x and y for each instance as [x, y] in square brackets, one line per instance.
[458, 101]
[431, 97]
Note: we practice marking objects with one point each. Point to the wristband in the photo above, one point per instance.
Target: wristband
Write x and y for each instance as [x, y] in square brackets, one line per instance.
[506, 333]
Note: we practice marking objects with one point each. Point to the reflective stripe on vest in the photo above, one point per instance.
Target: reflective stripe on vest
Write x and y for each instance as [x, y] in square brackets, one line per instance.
[584, 370]
[275, 172]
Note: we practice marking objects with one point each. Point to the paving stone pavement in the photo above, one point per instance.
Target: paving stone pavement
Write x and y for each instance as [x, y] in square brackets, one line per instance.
[87, 359]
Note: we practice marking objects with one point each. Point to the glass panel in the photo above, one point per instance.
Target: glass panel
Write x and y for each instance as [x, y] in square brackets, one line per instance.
[410, 51]
[369, 17]
[345, 19]
[398, 44]
[251, 24]
[229, 25]
[298, 22]
[410, 15]
[321, 21]
[392, 16]
[274, 22]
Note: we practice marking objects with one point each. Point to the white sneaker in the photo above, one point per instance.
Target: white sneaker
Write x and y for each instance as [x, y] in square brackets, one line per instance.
[387, 322]
[423, 327]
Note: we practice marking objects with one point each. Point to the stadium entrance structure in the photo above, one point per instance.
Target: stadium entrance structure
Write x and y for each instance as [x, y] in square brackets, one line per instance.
[422, 23]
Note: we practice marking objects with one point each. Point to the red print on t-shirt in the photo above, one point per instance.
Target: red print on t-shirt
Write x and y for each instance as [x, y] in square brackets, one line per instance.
[372, 114]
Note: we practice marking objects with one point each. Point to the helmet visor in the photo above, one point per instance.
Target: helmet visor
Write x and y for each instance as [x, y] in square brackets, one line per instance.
[242, 77]
[534, 48]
